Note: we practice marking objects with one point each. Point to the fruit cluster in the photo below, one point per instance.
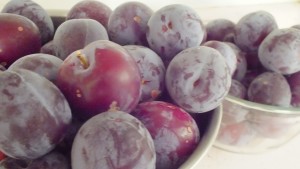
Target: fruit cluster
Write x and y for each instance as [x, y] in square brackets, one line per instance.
[121, 88]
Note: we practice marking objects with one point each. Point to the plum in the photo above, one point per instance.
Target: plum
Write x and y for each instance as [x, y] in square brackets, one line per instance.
[241, 65]
[49, 48]
[252, 29]
[34, 114]
[53, 160]
[35, 13]
[279, 52]
[220, 30]
[226, 51]
[127, 25]
[19, 36]
[113, 140]
[270, 88]
[237, 89]
[98, 76]
[174, 131]
[152, 71]
[294, 82]
[75, 34]
[43, 64]
[172, 29]
[198, 79]
[90, 9]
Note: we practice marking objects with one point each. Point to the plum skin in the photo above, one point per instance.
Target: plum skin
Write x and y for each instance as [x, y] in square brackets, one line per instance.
[198, 79]
[113, 140]
[110, 78]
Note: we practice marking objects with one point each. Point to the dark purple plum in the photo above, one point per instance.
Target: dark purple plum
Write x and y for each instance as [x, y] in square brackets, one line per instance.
[49, 48]
[19, 36]
[220, 30]
[174, 132]
[198, 79]
[43, 64]
[34, 114]
[53, 160]
[280, 51]
[242, 66]
[249, 77]
[226, 51]
[174, 28]
[152, 71]
[294, 82]
[252, 29]
[35, 13]
[75, 34]
[237, 89]
[98, 76]
[270, 88]
[90, 9]
[127, 24]
[113, 140]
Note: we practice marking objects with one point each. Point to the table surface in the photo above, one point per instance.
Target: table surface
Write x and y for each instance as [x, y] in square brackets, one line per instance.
[286, 14]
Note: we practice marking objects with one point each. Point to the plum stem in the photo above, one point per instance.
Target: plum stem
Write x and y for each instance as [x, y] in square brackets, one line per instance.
[113, 106]
[83, 60]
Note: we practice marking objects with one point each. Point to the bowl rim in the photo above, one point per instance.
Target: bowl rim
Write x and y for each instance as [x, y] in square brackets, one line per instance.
[207, 141]
[268, 109]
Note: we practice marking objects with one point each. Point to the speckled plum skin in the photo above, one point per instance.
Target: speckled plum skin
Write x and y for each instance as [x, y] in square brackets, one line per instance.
[35, 13]
[113, 140]
[75, 34]
[226, 51]
[270, 88]
[280, 51]
[174, 28]
[152, 70]
[53, 160]
[198, 79]
[43, 64]
[34, 114]
[127, 25]
[174, 131]
[90, 9]
[111, 77]
[19, 36]
[220, 30]
[252, 29]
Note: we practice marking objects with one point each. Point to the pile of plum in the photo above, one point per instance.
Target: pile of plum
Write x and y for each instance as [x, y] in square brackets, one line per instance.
[122, 88]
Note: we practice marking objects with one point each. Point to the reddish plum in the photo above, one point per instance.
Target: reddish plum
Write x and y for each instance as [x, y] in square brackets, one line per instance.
[113, 140]
[198, 79]
[280, 51]
[19, 36]
[174, 28]
[90, 9]
[127, 24]
[43, 64]
[252, 29]
[35, 13]
[226, 51]
[98, 76]
[152, 71]
[220, 30]
[270, 88]
[174, 131]
[34, 114]
[75, 34]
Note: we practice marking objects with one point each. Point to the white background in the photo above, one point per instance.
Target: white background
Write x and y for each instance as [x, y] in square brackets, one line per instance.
[286, 14]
